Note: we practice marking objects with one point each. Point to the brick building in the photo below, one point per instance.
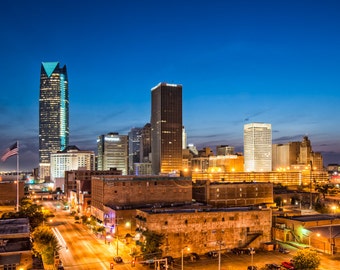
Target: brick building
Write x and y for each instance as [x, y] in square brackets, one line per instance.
[207, 229]
[132, 192]
[78, 187]
[222, 194]
[8, 192]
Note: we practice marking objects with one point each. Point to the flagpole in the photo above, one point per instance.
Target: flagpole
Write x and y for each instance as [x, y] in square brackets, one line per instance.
[18, 177]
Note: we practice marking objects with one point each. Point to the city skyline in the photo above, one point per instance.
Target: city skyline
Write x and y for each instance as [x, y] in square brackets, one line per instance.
[238, 63]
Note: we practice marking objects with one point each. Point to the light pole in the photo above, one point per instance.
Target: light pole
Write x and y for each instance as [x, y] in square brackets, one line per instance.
[252, 251]
[310, 185]
[331, 231]
[183, 255]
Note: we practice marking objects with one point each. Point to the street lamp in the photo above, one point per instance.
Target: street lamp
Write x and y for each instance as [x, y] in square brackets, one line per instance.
[185, 248]
[252, 251]
[331, 231]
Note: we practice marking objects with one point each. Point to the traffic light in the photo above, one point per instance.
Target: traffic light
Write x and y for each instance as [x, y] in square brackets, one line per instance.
[111, 265]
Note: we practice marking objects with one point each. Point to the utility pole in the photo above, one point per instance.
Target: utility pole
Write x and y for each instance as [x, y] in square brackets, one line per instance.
[310, 185]
[116, 232]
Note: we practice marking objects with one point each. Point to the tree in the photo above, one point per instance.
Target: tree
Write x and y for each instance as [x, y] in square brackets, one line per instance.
[45, 243]
[323, 189]
[306, 259]
[27, 210]
[151, 246]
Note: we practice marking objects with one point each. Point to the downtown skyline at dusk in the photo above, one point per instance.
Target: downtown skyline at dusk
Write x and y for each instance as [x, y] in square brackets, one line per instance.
[238, 62]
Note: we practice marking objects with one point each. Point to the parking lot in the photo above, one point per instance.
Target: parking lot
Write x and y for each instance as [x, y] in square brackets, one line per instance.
[232, 261]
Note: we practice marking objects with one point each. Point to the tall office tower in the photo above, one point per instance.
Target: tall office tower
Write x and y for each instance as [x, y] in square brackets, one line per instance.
[113, 152]
[166, 128]
[53, 114]
[145, 144]
[134, 147]
[258, 147]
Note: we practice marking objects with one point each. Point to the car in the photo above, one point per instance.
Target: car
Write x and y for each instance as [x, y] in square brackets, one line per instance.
[194, 256]
[284, 250]
[288, 265]
[252, 267]
[273, 266]
[170, 259]
[118, 259]
[212, 254]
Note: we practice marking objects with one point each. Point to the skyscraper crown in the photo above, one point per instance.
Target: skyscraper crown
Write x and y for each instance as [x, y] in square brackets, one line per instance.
[49, 67]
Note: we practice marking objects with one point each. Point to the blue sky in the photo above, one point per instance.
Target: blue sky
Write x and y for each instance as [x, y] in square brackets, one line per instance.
[238, 61]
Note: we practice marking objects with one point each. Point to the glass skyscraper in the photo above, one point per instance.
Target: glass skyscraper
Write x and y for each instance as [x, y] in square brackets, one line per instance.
[166, 128]
[53, 114]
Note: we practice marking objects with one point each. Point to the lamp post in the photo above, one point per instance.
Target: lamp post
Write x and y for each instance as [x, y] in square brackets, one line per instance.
[252, 251]
[310, 185]
[220, 243]
[331, 231]
[183, 255]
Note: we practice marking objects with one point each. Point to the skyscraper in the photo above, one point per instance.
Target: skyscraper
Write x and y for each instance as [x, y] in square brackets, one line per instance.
[113, 152]
[166, 128]
[258, 147]
[134, 147]
[53, 114]
[145, 143]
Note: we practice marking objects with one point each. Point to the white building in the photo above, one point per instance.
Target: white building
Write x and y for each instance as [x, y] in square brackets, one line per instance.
[70, 159]
[257, 147]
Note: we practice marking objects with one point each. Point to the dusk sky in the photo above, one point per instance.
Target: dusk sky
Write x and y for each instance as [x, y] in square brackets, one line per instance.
[272, 61]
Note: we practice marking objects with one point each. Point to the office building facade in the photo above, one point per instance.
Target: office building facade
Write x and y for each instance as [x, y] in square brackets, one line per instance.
[67, 160]
[53, 114]
[258, 147]
[135, 135]
[166, 128]
[113, 152]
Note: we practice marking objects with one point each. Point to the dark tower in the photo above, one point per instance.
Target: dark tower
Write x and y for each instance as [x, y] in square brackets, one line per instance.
[166, 128]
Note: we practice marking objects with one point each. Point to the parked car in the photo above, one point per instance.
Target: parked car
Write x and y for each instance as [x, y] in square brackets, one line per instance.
[212, 254]
[252, 267]
[194, 256]
[283, 250]
[273, 266]
[170, 259]
[118, 259]
[288, 265]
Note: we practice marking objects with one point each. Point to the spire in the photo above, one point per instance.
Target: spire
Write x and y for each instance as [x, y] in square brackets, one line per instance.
[49, 67]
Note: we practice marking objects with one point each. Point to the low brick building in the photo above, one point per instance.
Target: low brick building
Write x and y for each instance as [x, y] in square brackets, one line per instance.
[319, 231]
[132, 192]
[8, 192]
[207, 229]
[222, 194]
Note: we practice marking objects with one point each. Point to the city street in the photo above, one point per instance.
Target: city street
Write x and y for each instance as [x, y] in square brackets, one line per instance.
[83, 250]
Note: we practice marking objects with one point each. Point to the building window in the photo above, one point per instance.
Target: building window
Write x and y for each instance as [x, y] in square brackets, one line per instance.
[166, 223]
[223, 219]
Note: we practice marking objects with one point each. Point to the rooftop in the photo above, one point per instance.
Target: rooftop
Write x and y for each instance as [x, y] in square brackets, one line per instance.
[14, 226]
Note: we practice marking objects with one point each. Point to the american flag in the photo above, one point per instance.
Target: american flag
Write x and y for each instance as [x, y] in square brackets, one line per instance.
[10, 151]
